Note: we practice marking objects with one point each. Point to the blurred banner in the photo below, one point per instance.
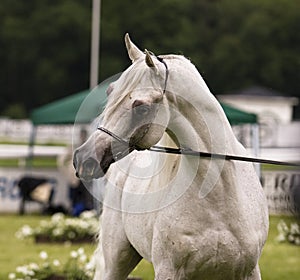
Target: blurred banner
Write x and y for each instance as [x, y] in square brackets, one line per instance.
[10, 198]
[282, 189]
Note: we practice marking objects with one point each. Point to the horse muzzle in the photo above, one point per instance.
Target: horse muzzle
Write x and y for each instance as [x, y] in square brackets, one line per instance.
[91, 168]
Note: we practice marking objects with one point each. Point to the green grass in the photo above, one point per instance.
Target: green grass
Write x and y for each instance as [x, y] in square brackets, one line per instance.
[279, 261]
[11, 142]
[273, 167]
[37, 162]
[16, 252]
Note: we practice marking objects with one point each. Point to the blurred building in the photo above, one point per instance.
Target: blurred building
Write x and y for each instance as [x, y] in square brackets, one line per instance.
[279, 140]
[275, 115]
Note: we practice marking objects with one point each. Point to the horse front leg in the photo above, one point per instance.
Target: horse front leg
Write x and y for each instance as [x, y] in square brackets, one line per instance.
[255, 274]
[121, 264]
[115, 256]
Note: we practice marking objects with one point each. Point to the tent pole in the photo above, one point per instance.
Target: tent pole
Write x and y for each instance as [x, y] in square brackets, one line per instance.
[95, 40]
[94, 64]
[30, 154]
[255, 146]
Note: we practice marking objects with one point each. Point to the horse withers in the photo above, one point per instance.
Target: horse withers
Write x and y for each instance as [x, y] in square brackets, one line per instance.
[191, 217]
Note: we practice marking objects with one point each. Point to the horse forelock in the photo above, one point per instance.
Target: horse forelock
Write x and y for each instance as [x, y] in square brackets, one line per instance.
[138, 76]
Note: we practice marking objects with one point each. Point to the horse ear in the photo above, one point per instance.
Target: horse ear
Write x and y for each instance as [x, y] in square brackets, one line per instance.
[109, 89]
[148, 59]
[133, 51]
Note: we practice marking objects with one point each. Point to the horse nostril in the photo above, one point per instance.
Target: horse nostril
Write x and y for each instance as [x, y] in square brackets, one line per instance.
[90, 166]
[75, 160]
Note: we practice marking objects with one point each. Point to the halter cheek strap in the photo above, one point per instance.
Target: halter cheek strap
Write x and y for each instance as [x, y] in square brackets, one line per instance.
[167, 72]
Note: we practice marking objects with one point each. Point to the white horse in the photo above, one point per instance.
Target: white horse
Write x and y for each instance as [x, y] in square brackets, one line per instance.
[191, 217]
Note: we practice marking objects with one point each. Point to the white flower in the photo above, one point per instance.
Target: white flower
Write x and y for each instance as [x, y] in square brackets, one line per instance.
[46, 265]
[25, 231]
[11, 276]
[70, 222]
[43, 255]
[88, 214]
[80, 251]
[280, 237]
[33, 266]
[295, 228]
[57, 217]
[297, 241]
[44, 223]
[57, 231]
[21, 269]
[282, 227]
[30, 272]
[291, 238]
[74, 254]
[56, 262]
[83, 258]
[91, 265]
[83, 225]
[71, 234]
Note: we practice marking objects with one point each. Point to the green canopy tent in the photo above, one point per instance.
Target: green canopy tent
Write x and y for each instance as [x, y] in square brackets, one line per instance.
[83, 107]
[236, 116]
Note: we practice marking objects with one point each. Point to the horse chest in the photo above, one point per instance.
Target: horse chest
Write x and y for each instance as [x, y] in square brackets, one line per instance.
[191, 245]
[209, 253]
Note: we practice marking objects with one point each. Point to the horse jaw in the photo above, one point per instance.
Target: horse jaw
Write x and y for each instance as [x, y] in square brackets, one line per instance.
[134, 52]
[93, 158]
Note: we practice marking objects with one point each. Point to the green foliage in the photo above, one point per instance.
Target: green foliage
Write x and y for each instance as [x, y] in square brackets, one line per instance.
[63, 228]
[45, 45]
[15, 252]
[15, 111]
[37, 162]
[78, 267]
[279, 261]
[289, 233]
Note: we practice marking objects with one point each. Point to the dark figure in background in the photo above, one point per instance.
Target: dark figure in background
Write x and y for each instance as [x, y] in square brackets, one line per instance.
[80, 198]
[35, 189]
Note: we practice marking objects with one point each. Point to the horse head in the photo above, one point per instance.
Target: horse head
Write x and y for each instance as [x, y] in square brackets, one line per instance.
[136, 113]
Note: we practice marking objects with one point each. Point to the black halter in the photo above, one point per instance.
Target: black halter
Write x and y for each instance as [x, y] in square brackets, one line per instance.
[190, 152]
[183, 151]
[167, 72]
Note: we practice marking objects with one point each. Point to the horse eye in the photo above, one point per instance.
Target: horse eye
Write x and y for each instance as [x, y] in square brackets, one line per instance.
[142, 110]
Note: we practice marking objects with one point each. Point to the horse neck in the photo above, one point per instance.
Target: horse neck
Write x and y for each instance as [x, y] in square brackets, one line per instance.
[199, 123]
[197, 130]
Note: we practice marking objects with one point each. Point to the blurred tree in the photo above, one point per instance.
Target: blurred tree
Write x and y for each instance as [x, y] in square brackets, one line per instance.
[15, 111]
[44, 50]
[258, 44]
[45, 44]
